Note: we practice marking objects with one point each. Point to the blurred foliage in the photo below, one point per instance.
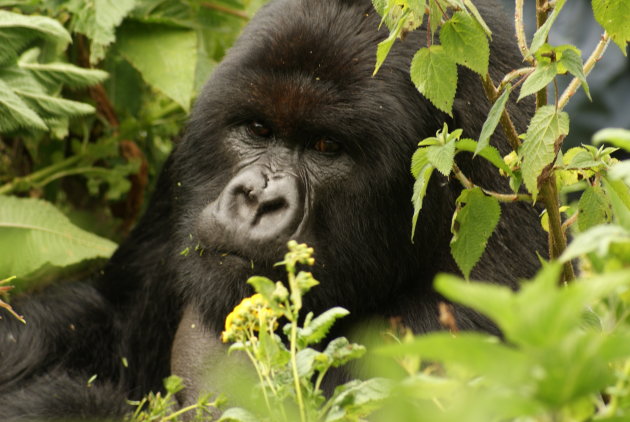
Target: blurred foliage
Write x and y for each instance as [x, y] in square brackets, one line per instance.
[92, 96]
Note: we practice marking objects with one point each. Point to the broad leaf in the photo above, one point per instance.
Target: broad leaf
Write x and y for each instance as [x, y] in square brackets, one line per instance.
[539, 79]
[442, 157]
[594, 208]
[539, 148]
[614, 16]
[473, 226]
[571, 60]
[421, 169]
[490, 153]
[434, 74]
[596, 239]
[143, 46]
[493, 119]
[34, 233]
[357, 399]
[98, 20]
[615, 136]
[465, 42]
[64, 73]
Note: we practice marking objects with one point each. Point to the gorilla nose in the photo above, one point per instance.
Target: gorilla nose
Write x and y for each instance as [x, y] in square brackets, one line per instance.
[258, 205]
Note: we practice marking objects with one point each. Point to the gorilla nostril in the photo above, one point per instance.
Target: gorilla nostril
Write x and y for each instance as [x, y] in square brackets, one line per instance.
[270, 207]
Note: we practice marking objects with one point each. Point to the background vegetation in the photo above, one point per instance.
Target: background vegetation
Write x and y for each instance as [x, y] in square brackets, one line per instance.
[90, 107]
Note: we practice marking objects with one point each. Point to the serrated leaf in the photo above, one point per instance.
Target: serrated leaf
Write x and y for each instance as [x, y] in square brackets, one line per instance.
[539, 79]
[442, 157]
[64, 73]
[143, 46]
[465, 42]
[98, 20]
[341, 351]
[571, 59]
[383, 48]
[46, 105]
[490, 153]
[357, 399]
[619, 194]
[615, 136]
[494, 116]
[14, 113]
[34, 232]
[594, 208]
[476, 222]
[319, 327]
[17, 31]
[422, 170]
[540, 37]
[614, 16]
[434, 74]
[539, 148]
[596, 239]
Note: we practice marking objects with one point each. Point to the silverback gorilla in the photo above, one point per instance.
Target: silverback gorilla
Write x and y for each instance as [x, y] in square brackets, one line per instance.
[292, 138]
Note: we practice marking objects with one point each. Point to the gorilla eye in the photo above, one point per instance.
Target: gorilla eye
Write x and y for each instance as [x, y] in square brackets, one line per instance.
[259, 129]
[327, 146]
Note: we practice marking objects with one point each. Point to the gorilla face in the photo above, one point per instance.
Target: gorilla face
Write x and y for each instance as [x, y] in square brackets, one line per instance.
[293, 138]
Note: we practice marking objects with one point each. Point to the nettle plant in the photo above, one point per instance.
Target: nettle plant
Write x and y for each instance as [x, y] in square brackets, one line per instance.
[537, 169]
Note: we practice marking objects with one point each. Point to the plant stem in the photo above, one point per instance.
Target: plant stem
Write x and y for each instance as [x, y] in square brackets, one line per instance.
[595, 56]
[35, 178]
[506, 121]
[520, 30]
[542, 12]
[557, 239]
[296, 377]
[611, 409]
[502, 197]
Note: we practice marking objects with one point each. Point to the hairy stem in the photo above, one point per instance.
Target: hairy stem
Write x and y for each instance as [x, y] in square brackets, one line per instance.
[542, 12]
[502, 197]
[520, 30]
[557, 238]
[575, 84]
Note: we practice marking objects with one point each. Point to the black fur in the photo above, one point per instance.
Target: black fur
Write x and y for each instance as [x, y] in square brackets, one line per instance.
[304, 69]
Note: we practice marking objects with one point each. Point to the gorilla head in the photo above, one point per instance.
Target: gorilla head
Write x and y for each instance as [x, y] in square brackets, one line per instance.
[294, 138]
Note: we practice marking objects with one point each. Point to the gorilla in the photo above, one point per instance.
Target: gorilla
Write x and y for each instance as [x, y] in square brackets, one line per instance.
[291, 138]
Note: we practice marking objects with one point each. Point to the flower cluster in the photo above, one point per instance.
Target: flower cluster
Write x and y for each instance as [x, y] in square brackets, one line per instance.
[250, 315]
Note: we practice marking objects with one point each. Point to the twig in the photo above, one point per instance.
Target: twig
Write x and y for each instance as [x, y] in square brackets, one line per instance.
[229, 11]
[506, 120]
[502, 197]
[595, 56]
[570, 221]
[520, 31]
[542, 13]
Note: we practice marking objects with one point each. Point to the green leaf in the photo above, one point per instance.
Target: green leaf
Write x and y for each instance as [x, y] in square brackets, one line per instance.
[237, 414]
[98, 20]
[539, 148]
[14, 113]
[619, 195]
[357, 399]
[490, 153]
[47, 106]
[540, 37]
[594, 208]
[143, 45]
[477, 352]
[571, 60]
[34, 233]
[17, 31]
[596, 239]
[473, 225]
[494, 116]
[615, 136]
[319, 327]
[434, 74]
[442, 157]
[465, 42]
[539, 79]
[382, 50]
[341, 351]
[614, 16]
[63, 73]
[421, 170]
